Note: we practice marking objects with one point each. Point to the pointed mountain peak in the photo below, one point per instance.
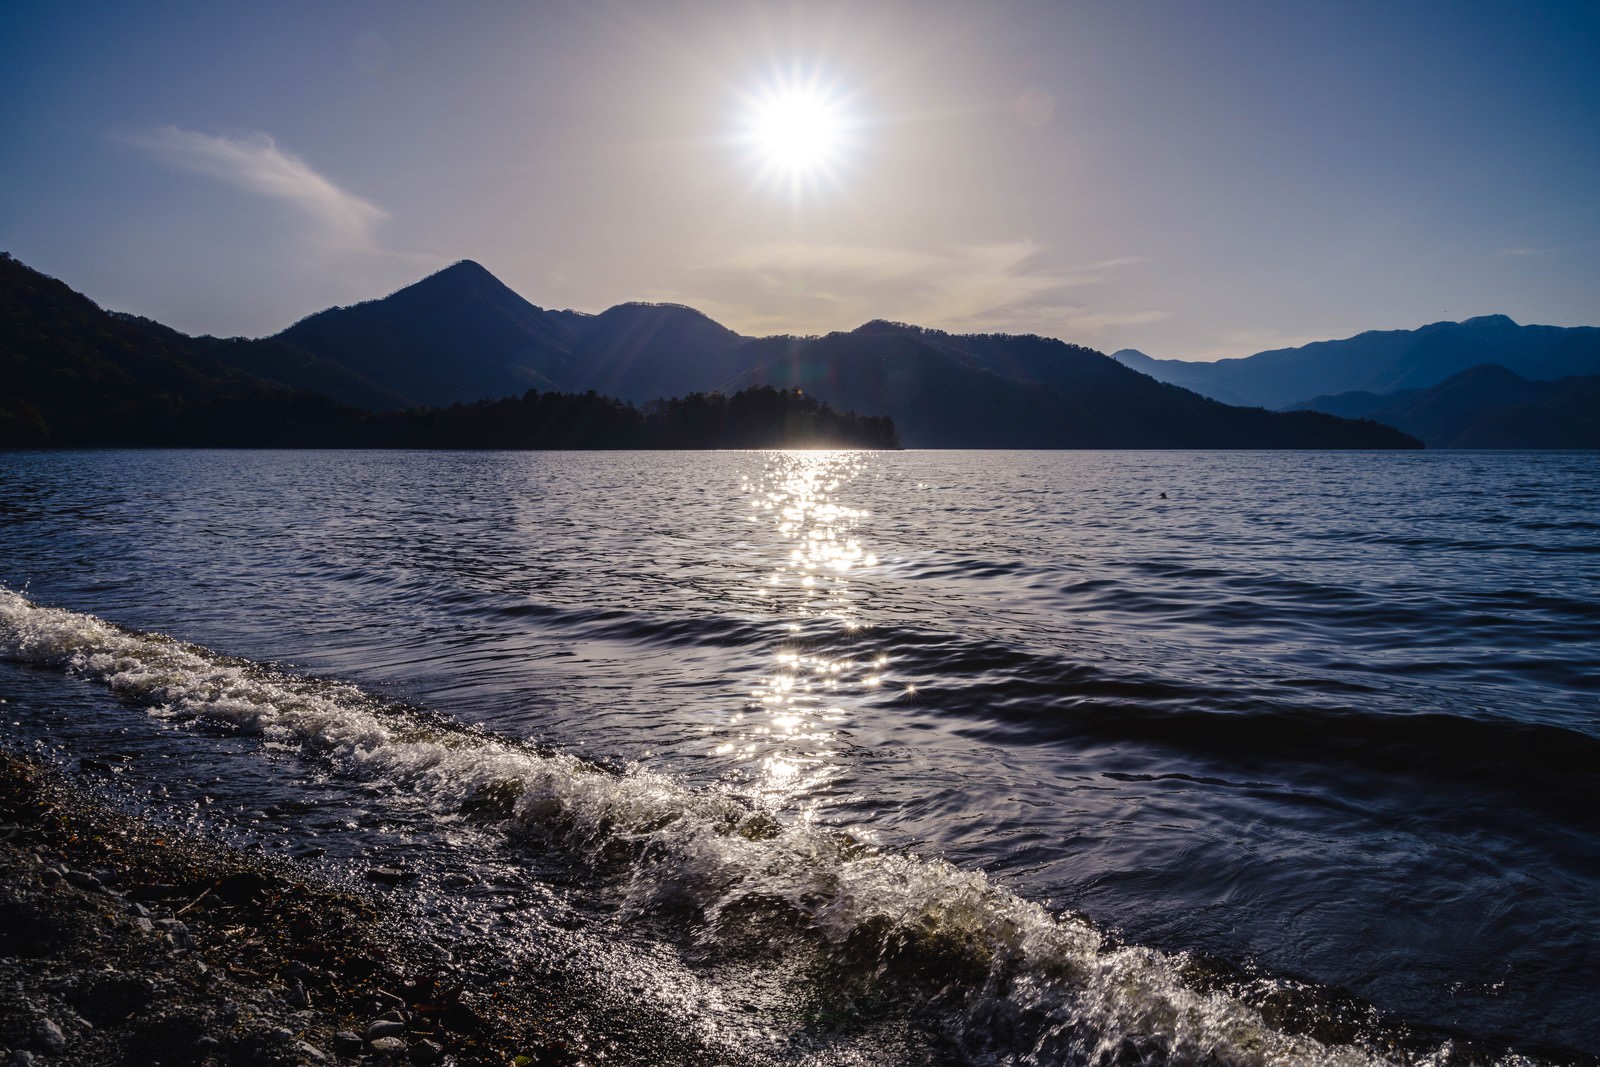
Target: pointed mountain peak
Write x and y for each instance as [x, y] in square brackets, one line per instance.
[464, 268]
[463, 279]
[1490, 322]
[463, 272]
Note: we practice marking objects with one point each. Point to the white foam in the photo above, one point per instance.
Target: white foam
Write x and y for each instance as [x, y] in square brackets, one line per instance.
[1051, 981]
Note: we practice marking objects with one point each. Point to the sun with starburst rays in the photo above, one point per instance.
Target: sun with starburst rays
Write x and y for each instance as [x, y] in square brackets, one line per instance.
[799, 132]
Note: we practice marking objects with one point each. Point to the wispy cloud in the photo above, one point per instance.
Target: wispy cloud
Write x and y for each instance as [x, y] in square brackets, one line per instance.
[257, 165]
[809, 288]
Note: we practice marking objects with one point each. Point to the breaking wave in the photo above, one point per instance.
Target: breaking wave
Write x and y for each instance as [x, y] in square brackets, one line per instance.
[1009, 980]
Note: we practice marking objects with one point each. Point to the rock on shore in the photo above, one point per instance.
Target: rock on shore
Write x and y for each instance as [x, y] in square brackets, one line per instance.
[126, 942]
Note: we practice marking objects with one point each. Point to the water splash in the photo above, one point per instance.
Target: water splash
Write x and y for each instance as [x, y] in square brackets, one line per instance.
[1009, 981]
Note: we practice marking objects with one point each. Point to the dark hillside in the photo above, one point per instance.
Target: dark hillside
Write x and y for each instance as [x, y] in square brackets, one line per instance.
[967, 391]
[642, 351]
[74, 373]
[456, 336]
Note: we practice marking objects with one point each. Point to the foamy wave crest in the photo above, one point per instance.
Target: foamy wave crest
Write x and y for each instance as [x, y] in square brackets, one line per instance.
[1013, 982]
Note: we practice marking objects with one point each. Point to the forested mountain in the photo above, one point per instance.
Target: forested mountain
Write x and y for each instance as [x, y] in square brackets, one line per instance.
[79, 375]
[458, 335]
[72, 374]
[999, 391]
[461, 335]
[942, 390]
[1485, 407]
[1382, 361]
[640, 351]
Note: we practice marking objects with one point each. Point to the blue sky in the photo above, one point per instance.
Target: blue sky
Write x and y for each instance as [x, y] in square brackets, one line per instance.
[1191, 179]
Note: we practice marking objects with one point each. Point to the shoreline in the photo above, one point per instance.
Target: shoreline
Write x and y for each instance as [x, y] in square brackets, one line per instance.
[123, 941]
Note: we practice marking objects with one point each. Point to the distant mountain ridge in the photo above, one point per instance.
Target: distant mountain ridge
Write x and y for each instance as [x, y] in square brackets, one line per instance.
[461, 337]
[1486, 406]
[1382, 361]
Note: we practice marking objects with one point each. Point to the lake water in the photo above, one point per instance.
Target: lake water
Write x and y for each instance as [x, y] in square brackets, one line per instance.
[1104, 757]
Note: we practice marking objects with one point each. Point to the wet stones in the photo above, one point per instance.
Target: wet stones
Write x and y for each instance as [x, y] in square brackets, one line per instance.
[48, 1038]
[83, 880]
[348, 1043]
[393, 1048]
[388, 875]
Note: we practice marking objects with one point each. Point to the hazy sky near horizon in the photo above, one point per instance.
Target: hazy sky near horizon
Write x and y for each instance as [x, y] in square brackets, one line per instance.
[1195, 180]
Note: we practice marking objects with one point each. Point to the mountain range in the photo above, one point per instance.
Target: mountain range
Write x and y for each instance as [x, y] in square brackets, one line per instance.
[461, 333]
[1486, 406]
[1382, 361]
[75, 374]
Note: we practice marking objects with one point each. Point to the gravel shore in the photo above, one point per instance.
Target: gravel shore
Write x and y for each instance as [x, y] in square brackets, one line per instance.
[123, 941]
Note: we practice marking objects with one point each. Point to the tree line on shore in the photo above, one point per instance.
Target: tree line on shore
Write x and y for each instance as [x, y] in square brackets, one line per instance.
[759, 417]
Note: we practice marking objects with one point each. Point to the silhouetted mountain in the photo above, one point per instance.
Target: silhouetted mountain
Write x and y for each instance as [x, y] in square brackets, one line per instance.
[456, 336]
[88, 377]
[283, 364]
[461, 335]
[1382, 361]
[1486, 406]
[641, 351]
[1192, 375]
[71, 372]
[74, 375]
[997, 391]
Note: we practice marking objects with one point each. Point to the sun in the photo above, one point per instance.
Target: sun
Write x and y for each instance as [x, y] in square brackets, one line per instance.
[798, 133]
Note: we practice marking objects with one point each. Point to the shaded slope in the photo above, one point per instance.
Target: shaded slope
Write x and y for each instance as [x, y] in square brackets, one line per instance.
[73, 372]
[1486, 406]
[641, 351]
[954, 391]
[456, 336]
[279, 363]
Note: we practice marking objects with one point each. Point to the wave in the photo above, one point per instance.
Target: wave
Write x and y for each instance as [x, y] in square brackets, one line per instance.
[1032, 987]
[1312, 716]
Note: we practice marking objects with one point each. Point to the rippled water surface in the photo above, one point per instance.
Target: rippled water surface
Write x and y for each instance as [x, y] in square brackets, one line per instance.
[989, 757]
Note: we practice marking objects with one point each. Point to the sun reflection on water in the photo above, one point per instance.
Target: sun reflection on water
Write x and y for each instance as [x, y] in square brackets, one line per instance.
[787, 737]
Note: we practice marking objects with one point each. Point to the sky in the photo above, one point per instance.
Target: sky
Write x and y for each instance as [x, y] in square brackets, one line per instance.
[1191, 179]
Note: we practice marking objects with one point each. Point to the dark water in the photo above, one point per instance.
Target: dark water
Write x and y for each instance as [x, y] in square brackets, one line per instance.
[848, 757]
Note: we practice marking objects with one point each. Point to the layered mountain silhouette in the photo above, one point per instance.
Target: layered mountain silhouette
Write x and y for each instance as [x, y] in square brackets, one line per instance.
[72, 374]
[1002, 391]
[1486, 406]
[1383, 361]
[75, 374]
[458, 335]
[461, 334]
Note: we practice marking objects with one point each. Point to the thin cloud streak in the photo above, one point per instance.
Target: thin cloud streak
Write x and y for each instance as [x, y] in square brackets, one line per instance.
[782, 287]
[257, 165]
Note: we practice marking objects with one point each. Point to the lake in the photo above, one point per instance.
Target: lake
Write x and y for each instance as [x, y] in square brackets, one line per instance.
[881, 757]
